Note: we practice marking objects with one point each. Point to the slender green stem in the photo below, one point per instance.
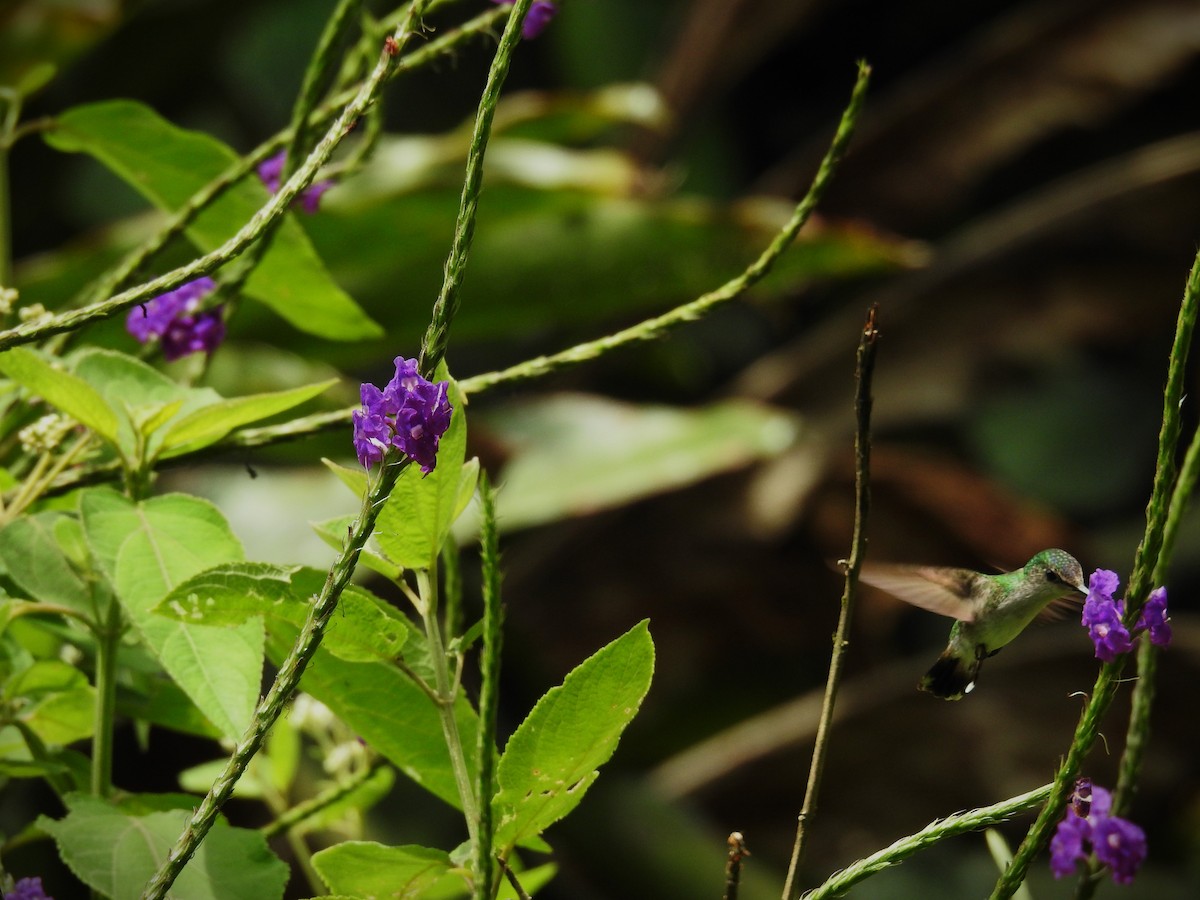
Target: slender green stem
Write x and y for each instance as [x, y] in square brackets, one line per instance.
[489, 690]
[107, 645]
[301, 812]
[437, 335]
[452, 591]
[447, 696]
[654, 328]
[318, 73]
[863, 372]
[951, 826]
[285, 684]
[1151, 557]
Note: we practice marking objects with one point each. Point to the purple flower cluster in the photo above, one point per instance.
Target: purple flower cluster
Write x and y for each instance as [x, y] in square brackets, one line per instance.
[538, 17]
[28, 889]
[1088, 828]
[1103, 617]
[410, 414]
[271, 170]
[174, 317]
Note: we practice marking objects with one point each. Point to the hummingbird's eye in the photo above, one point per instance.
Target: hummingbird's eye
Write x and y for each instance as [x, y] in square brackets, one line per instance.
[1052, 576]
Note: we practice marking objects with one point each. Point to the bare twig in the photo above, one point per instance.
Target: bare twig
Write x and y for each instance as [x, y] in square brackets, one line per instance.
[864, 369]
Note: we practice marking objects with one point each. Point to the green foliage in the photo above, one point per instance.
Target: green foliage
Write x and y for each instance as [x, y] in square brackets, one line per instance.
[365, 629]
[167, 165]
[552, 758]
[146, 549]
[114, 849]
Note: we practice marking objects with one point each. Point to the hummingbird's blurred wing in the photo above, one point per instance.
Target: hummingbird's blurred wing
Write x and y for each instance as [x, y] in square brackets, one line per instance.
[947, 592]
[1057, 610]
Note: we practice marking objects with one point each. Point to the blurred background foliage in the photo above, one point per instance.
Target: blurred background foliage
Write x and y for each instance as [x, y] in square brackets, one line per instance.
[1021, 201]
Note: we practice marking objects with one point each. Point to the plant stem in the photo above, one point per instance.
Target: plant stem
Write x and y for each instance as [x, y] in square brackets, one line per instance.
[107, 645]
[446, 700]
[489, 690]
[950, 826]
[863, 371]
[651, 329]
[733, 865]
[306, 810]
[286, 681]
[1152, 556]
[437, 335]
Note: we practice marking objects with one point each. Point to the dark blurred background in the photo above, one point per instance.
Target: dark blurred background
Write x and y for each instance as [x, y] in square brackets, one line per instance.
[1022, 201]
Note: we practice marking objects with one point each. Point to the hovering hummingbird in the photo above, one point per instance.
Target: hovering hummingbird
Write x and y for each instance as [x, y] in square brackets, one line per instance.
[991, 609]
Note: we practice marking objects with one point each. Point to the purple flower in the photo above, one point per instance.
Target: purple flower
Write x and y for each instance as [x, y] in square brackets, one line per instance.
[1102, 617]
[1117, 843]
[1067, 845]
[372, 434]
[1154, 618]
[411, 414]
[1120, 845]
[270, 172]
[28, 889]
[174, 318]
[193, 334]
[538, 17]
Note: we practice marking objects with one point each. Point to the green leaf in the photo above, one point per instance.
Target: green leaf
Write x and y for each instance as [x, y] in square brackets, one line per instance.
[167, 165]
[33, 558]
[60, 389]
[355, 479]
[552, 757]
[147, 549]
[117, 853]
[418, 513]
[364, 629]
[210, 424]
[574, 454]
[389, 711]
[54, 699]
[368, 869]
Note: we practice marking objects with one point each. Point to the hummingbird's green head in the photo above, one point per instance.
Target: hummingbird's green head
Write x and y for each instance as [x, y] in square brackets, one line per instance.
[1059, 568]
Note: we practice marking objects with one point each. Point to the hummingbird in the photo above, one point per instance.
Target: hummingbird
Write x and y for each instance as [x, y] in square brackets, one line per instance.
[990, 610]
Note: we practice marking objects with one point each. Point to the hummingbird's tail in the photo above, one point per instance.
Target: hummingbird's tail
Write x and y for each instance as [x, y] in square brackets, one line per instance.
[951, 677]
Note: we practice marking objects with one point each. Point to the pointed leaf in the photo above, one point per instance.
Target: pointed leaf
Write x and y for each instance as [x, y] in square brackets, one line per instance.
[60, 389]
[552, 758]
[31, 554]
[210, 424]
[167, 165]
[148, 548]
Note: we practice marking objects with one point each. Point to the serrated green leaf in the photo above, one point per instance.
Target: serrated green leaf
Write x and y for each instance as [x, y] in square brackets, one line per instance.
[369, 869]
[33, 558]
[117, 853]
[389, 711]
[147, 549]
[167, 165]
[61, 390]
[210, 424]
[364, 628]
[553, 756]
[417, 516]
